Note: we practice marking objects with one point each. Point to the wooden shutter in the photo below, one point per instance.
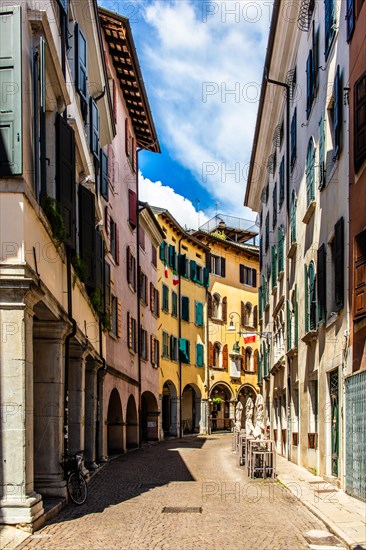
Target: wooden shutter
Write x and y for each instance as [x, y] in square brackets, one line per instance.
[360, 122]
[322, 285]
[134, 155]
[182, 264]
[128, 264]
[260, 302]
[114, 101]
[254, 278]
[129, 330]
[152, 349]
[242, 314]
[209, 305]
[241, 273]
[360, 275]
[87, 231]
[322, 151]
[337, 111]
[339, 263]
[158, 302]
[65, 177]
[306, 298]
[255, 316]
[81, 63]
[127, 137]
[104, 175]
[296, 313]
[132, 205]
[288, 327]
[225, 357]
[256, 361]
[107, 221]
[99, 260]
[224, 309]
[210, 354]
[119, 318]
[94, 129]
[293, 138]
[310, 160]
[152, 296]
[117, 258]
[312, 296]
[11, 127]
[223, 267]
[185, 308]
[199, 314]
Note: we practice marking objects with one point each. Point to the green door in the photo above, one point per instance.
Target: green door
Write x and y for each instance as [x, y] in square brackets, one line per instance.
[334, 398]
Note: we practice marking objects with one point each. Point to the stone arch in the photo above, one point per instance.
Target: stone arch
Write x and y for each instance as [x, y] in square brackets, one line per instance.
[132, 438]
[222, 410]
[114, 423]
[191, 408]
[149, 417]
[169, 409]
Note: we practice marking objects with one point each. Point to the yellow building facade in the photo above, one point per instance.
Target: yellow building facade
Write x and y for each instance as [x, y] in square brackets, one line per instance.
[182, 283]
[232, 323]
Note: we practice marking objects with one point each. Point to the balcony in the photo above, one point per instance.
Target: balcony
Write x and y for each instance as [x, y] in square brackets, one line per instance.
[233, 229]
[309, 211]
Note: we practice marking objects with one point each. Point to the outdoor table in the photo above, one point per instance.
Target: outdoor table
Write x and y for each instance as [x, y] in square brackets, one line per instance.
[261, 457]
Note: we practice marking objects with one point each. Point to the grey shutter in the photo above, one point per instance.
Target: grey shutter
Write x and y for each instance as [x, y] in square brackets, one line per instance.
[308, 84]
[81, 64]
[337, 110]
[87, 232]
[65, 176]
[241, 273]
[322, 149]
[99, 260]
[107, 287]
[306, 298]
[11, 127]
[64, 5]
[321, 280]
[254, 278]
[339, 263]
[104, 175]
[94, 128]
[223, 267]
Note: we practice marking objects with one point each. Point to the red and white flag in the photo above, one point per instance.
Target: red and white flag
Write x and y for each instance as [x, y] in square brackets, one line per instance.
[175, 278]
[249, 337]
[166, 270]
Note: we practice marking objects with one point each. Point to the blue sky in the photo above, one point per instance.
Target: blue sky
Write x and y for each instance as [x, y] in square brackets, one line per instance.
[202, 65]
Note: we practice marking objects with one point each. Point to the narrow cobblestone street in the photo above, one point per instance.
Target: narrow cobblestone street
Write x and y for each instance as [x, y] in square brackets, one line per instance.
[126, 500]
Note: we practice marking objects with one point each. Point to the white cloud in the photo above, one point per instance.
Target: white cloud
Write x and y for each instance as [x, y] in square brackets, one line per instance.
[157, 194]
[185, 54]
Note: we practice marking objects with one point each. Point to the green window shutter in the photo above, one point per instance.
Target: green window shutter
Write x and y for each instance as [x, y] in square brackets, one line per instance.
[330, 24]
[294, 138]
[199, 314]
[104, 175]
[322, 151]
[312, 296]
[193, 270]
[65, 177]
[280, 246]
[259, 368]
[289, 328]
[337, 110]
[282, 180]
[94, 128]
[293, 217]
[260, 304]
[162, 251]
[87, 232]
[165, 298]
[274, 265]
[310, 176]
[274, 206]
[199, 355]
[184, 350]
[322, 285]
[11, 127]
[306, 298]
[206, 277]
[182, 265]
[174, 303]
[172, 255]
[81, 64]
[296, 313]
[339, 263]
[185, 308]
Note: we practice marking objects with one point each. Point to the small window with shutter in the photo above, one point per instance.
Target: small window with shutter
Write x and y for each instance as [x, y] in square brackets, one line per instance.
[360, 122]
[65, 182]
[87, 232]
[359, 285]
[132, 208]
[185, 308]
[81, 65]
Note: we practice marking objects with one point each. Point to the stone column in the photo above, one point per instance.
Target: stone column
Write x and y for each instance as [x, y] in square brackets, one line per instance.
[102, 451]
[204, 417]
[19, 504]
[76, 403]
[49, 384]
[91, 374]
[174, 416]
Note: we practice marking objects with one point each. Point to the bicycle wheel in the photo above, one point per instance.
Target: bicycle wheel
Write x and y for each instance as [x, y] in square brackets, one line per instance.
[77, 488]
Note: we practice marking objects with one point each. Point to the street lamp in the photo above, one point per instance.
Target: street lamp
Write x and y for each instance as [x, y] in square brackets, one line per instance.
[232, 328]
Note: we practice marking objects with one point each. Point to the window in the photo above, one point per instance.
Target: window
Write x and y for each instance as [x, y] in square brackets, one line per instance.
[174, 304]
[165, 304]
[184, 350]
[321, 283]
[131, 333]
[154, 351]
[82, 65]
[310, 172]
[154, 300]
[199, 314]
[249, 360]
[274, 265]
[350, 18]
[310, 297]
[142, 238]
[114, 240]
[280, 249]
[131, 269]
[104, 171]
[172, 256]
[218, 265]
[293, 154]
[217, 355]
[132, 208]
[185, 308]
[322, 150]
[154, 256]
[293, 217]
[335, 114]
[359, 292]
[130, 145]
[65, 180]
[216, 306]
[199, 355]
[94, 129]
[144, 350]
[248, 275]
[339, 264]
[143, 287]
[247, 314]
[330, 24]
[199, 274]
[165, 344]
[114, 315]
[360, 122]
[282, 181]
[267, 233]
[274, 205]
[173, 348]
[313, 413]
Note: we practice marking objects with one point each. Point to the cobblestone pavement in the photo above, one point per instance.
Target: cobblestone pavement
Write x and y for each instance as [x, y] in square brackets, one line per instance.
[126, 499]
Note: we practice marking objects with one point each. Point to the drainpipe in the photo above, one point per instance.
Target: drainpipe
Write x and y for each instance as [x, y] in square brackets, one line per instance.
[103, 369]
[67, 350]
[208, 366]
[179, 338]
[138, 296]
[288, 384]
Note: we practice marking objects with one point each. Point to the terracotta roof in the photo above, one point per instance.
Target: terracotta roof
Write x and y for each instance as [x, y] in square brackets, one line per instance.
[118, 35]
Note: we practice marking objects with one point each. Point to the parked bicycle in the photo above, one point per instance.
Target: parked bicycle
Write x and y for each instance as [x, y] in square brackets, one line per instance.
[73, 466]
